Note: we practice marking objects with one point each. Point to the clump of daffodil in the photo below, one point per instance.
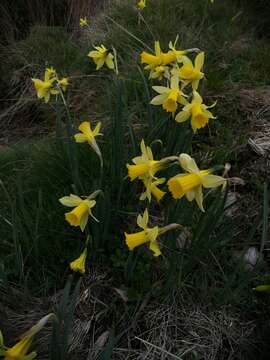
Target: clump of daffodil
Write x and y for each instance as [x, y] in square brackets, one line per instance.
[144, 165]
[45, 88]
[83, 22]
[88, 135]
[169, 97]
[148, 235]
[102, 56]
[151, 188]
[19, 351]
[78, 265]
[191, 183]
[141, 4]
[191, 74]
[82, 209]
[197, 111]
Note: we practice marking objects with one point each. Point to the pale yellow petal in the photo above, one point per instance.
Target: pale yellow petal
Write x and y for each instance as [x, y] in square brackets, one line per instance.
[197, 98]
[158, 100]
[199, 197]
[212, 181]
[153, 246]
[83, 222]
[85, 127]
[80, 138]
[70, 201]
[182, 116]
[161, 89]
[109, 61]
[188, 163]
[190, 195]
[199, 61]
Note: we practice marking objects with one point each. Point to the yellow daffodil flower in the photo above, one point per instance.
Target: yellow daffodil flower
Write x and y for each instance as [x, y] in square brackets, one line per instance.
[145, 165]
[169, 97]
[19, 350]
[102, 56]
[151, 187]
[78, 265]
[47, 87]
[190, 184]
[148, 235]
[63, 83]
[83, 22]
[197, 111]
[160, 58]
[89, 135]
[141, 4]
[82, 209]
[191, 74]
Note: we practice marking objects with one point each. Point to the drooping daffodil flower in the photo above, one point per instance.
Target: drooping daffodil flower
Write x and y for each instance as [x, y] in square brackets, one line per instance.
[20, 349]
[82, 209]
[88, 135]
[78, 265]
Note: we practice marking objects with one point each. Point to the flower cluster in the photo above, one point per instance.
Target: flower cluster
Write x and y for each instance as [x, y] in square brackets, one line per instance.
[182, 77]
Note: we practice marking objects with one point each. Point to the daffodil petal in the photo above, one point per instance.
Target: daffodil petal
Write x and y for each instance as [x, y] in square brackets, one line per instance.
[188, 163]
[199, 197]
[212, 181]
[80, 138]
[158, 100]
[70, 201]
[161, 89]
[199, 61]
[182, 116]
[153, 246]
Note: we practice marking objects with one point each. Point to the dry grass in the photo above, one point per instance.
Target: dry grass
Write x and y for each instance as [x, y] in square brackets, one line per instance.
[155, 331]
